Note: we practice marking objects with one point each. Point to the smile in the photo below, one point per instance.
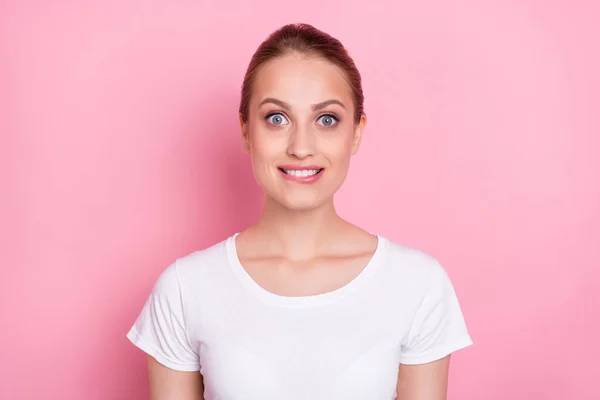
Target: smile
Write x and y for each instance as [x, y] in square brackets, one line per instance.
[301, 174]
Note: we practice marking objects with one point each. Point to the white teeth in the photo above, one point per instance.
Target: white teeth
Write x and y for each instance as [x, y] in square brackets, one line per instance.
[301, 173]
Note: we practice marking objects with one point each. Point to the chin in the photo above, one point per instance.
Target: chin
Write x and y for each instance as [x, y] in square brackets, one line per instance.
[302, 203]
[302, 206]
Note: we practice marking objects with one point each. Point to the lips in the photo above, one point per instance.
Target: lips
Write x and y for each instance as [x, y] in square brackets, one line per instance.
[301, 173]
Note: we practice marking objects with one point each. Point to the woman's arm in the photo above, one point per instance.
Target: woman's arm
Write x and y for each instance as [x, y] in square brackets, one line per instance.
[423, 382]
[168, 384]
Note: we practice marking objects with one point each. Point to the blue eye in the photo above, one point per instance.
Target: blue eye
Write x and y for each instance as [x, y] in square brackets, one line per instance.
[327, 120]
[277, 119]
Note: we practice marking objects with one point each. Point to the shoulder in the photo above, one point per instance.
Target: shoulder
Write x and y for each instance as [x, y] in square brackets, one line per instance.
[190, 271]
[412, 271]
[412, 261]
[204, 259]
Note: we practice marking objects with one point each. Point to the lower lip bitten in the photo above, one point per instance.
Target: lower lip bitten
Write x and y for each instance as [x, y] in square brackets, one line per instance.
[302, 179]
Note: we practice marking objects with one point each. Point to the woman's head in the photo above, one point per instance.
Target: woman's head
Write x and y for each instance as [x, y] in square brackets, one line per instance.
[301, 107]
[306, 40]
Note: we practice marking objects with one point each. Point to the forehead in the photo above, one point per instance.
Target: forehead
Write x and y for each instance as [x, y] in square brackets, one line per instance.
[301, 80]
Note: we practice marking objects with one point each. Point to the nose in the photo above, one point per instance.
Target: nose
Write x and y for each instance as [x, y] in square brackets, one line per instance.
[302, 142]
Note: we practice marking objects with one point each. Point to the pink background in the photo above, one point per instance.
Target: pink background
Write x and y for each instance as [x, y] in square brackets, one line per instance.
[121, 151]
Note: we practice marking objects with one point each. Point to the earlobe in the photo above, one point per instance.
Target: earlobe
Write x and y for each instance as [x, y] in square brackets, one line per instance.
[358, 133]
[241, 119]
[245, 139]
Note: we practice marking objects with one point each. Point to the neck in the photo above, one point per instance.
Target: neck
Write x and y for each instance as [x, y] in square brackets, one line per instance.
[297, 234]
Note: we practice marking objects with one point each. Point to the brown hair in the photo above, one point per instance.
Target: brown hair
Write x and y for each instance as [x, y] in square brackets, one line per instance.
[303, 38]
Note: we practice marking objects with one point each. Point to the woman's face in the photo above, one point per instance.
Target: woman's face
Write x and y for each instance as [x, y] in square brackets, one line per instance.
[301, 132]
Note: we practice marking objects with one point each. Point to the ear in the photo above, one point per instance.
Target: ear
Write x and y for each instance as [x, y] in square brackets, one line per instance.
[245, 138]
[358, 133]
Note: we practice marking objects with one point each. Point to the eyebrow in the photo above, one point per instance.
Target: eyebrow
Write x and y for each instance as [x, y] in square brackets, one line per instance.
[315, 107]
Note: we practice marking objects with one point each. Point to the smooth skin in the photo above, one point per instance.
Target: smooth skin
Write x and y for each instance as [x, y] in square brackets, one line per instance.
[301, 112]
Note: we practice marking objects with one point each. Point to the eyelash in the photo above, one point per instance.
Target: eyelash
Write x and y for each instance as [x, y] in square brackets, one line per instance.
[331, 115]
[269, 115]
[335, 118]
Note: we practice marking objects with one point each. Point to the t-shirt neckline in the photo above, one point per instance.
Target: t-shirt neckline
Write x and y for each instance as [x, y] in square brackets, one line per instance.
[301, 301]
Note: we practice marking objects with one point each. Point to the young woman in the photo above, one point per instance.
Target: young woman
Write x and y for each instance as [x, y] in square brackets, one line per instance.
[302, 304]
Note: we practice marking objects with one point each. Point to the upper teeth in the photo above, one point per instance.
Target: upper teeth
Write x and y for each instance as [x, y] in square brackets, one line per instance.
[304, 172]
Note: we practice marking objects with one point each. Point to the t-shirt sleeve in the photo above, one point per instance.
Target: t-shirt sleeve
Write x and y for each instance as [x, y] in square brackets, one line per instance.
[438, 328]
[160, 328]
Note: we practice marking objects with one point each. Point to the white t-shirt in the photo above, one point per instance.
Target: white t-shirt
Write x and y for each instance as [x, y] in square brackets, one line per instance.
[205, 313]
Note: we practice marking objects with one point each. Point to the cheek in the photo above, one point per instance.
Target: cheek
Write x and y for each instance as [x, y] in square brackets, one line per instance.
[261, 147]
[264, 152]
[338, 147]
